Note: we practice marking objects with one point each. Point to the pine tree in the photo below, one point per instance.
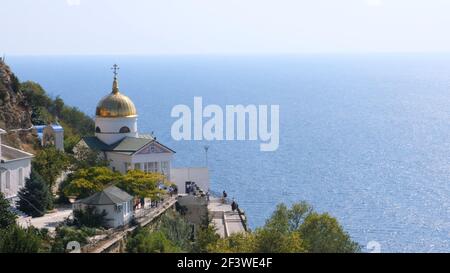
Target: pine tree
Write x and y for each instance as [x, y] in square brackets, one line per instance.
[35, 198]
[7, 218]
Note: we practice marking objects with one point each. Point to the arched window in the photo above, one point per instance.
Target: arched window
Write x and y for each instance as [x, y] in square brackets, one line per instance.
[97, 130]
[21, 177]
[8, 180]
[124, 130]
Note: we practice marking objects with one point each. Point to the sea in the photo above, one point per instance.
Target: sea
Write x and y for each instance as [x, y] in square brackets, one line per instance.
[364, 137]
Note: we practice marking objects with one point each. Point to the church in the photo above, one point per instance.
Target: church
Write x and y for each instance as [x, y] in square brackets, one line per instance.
[118, 140]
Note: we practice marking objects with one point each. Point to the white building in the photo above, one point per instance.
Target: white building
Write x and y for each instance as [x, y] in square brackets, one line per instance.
[118, 139]
[117, 204]
[51, 135]
[15, 167]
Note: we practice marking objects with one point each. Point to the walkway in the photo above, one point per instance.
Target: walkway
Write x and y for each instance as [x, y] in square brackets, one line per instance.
[224, 219]
[49, 221]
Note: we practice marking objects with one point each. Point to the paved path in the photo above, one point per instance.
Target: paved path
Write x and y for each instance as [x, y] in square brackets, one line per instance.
[224, 219]
[48, 221]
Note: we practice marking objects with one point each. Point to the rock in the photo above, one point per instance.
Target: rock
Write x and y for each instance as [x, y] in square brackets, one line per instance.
[15, 113]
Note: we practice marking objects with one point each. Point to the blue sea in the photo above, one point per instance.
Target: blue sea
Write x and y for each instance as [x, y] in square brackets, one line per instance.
[363, 137]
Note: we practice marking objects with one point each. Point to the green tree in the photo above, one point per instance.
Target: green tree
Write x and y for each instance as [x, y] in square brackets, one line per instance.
[141, 184]
[294, 229]
[35, 198]
[323, 234]
[66, 234]
[7, 217]
[147, 241]
[85, 158]
[15, 239]
[235, 243]
[89, 217]
[86, 182]
[206, 237]
[177, 230]
[50, 164]
[58, 106]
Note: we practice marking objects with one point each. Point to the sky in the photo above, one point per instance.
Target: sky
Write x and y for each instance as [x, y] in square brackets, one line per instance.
[147, 27]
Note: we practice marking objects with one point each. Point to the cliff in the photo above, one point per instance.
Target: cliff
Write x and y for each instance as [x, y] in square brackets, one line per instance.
[15, 112]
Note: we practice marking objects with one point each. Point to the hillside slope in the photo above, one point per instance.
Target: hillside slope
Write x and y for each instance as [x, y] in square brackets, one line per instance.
[15, 112]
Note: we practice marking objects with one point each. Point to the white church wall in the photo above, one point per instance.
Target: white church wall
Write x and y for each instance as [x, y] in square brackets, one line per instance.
[117, 161]
[110, 127]
[18, 170]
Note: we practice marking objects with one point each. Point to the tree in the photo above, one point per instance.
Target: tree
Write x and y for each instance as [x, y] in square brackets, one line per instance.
[15, 239]
[7, 217]
[146, 241]
[58, 106]
[50, 163]
[177, 230]
[205, 238]
[290, 230]
[86, 182]
[85, 158]
[323, 234]
[141, 184]
[235, 243]
[35, 198]
[89, 217]
[66, 234]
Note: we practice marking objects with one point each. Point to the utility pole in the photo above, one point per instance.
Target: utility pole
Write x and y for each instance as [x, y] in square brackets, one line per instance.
[206, 147]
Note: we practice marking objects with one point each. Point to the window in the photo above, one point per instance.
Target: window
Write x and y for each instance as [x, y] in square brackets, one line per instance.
[165, 167]
[127, 166]
[21, 177]
[153, 167]
[124, 130]
[8, 180]
[97, 130]
[137, 166]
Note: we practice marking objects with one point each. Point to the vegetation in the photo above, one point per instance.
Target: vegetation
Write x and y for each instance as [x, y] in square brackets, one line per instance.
[66, 234]
[205, 236]
[35, 198]
[147, 241]
[177, 230]
[51, 163]
[85, 158]
[172, 234]
[89, 217]
[86, 182]
[15, 239]
[298, 229]
[47, 110]
[7, 218]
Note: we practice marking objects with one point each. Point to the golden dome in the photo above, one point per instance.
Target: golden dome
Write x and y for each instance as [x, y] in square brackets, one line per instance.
[115, 104]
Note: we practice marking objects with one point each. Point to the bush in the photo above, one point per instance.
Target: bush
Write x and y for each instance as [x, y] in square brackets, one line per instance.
[66, 234]
[146, 241]
[7, 218]
[15, 239]
[35, 198]
[89, 217]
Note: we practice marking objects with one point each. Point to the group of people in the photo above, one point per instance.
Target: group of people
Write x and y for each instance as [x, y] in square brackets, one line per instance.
[234, 204]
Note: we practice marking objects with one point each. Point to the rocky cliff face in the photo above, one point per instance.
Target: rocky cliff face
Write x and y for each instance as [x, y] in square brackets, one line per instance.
[15, 113]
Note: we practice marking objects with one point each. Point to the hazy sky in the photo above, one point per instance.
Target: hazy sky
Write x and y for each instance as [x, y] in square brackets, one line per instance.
[223, 26]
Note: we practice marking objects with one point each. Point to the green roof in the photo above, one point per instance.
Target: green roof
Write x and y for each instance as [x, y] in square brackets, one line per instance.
[109, 196]
[128, 145]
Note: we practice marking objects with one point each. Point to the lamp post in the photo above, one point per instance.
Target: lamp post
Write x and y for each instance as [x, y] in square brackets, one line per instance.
[206, 147]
